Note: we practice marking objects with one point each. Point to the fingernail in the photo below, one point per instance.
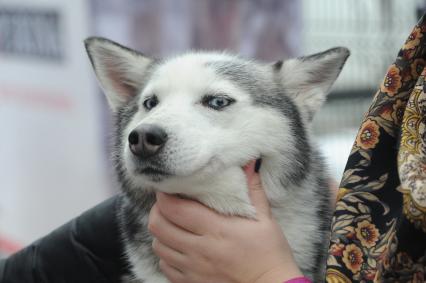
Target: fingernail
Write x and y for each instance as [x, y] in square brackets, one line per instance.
[257, 165]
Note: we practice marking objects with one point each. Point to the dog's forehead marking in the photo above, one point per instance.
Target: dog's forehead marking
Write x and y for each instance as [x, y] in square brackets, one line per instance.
[201, 68]
[191, 73]
[187, 68]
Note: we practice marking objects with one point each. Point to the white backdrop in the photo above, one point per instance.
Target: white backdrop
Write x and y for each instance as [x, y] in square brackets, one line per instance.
[52, 161]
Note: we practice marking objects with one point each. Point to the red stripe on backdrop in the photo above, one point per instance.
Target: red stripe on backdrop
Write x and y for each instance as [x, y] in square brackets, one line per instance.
[8, 246]
[37, 97]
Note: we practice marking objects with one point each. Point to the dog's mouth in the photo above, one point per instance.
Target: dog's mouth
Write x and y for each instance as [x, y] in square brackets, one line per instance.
[151, 171]
[158, 172]
[154, 174]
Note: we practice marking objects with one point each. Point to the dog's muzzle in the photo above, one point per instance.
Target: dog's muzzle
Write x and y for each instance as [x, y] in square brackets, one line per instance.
[147, 140]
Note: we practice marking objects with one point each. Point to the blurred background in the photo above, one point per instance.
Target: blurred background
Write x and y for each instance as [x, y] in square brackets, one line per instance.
[54, 121]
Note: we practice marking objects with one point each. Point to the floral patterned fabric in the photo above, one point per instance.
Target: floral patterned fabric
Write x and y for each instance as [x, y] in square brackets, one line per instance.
[379, 225]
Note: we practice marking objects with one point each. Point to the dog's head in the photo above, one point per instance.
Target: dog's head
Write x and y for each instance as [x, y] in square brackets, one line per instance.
[198, 113]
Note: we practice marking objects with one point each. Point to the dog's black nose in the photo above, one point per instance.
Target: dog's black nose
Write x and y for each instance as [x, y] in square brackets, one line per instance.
[146, 140]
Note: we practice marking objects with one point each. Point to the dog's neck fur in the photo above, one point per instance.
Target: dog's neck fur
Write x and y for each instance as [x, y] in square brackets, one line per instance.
[225, 192]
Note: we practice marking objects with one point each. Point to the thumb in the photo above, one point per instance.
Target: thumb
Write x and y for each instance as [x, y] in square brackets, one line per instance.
[255, 189]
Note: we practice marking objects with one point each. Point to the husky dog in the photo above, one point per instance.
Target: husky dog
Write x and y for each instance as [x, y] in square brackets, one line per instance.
[186, 125]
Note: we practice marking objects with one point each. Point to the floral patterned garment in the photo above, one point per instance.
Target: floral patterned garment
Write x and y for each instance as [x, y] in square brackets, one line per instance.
[379, 225]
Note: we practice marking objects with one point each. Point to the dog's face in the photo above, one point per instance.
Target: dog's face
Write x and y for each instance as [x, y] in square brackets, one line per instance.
[191, 120]
[194, 115]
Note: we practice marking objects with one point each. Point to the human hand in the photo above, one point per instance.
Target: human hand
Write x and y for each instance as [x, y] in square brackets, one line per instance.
[197, 244]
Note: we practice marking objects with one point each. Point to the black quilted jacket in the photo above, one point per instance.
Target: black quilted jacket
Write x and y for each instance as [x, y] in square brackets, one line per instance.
[86, 249]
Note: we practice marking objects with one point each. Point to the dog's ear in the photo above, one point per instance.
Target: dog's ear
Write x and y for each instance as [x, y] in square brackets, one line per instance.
[120, 70]
[309, 79]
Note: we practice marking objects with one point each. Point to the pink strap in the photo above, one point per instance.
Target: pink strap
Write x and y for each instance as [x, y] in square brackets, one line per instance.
[298, 280]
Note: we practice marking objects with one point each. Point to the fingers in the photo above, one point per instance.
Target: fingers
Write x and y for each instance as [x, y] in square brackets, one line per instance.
[168, 233]
[169, 255]
[256, 192]
[172, 273]
[187, 214]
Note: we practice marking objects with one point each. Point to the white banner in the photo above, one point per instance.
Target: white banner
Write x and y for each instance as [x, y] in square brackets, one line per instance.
[52, 156]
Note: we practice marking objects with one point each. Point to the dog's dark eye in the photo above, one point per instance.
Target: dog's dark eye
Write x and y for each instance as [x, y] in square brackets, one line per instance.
[150, 102]
[217, 102]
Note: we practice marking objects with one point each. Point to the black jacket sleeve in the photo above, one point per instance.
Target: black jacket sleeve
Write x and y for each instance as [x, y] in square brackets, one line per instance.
[86, 249]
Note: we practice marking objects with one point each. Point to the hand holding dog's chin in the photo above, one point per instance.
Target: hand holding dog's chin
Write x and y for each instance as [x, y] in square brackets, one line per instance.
[196, 244]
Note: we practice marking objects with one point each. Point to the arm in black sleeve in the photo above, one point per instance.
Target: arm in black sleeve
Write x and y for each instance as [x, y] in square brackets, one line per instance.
[86, 249]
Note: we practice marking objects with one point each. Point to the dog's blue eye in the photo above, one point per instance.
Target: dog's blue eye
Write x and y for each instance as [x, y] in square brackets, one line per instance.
[217, 102]
[150, 102]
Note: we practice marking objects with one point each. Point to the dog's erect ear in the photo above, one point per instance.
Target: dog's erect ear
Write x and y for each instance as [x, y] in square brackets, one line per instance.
[309, 79]
[120, 70]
